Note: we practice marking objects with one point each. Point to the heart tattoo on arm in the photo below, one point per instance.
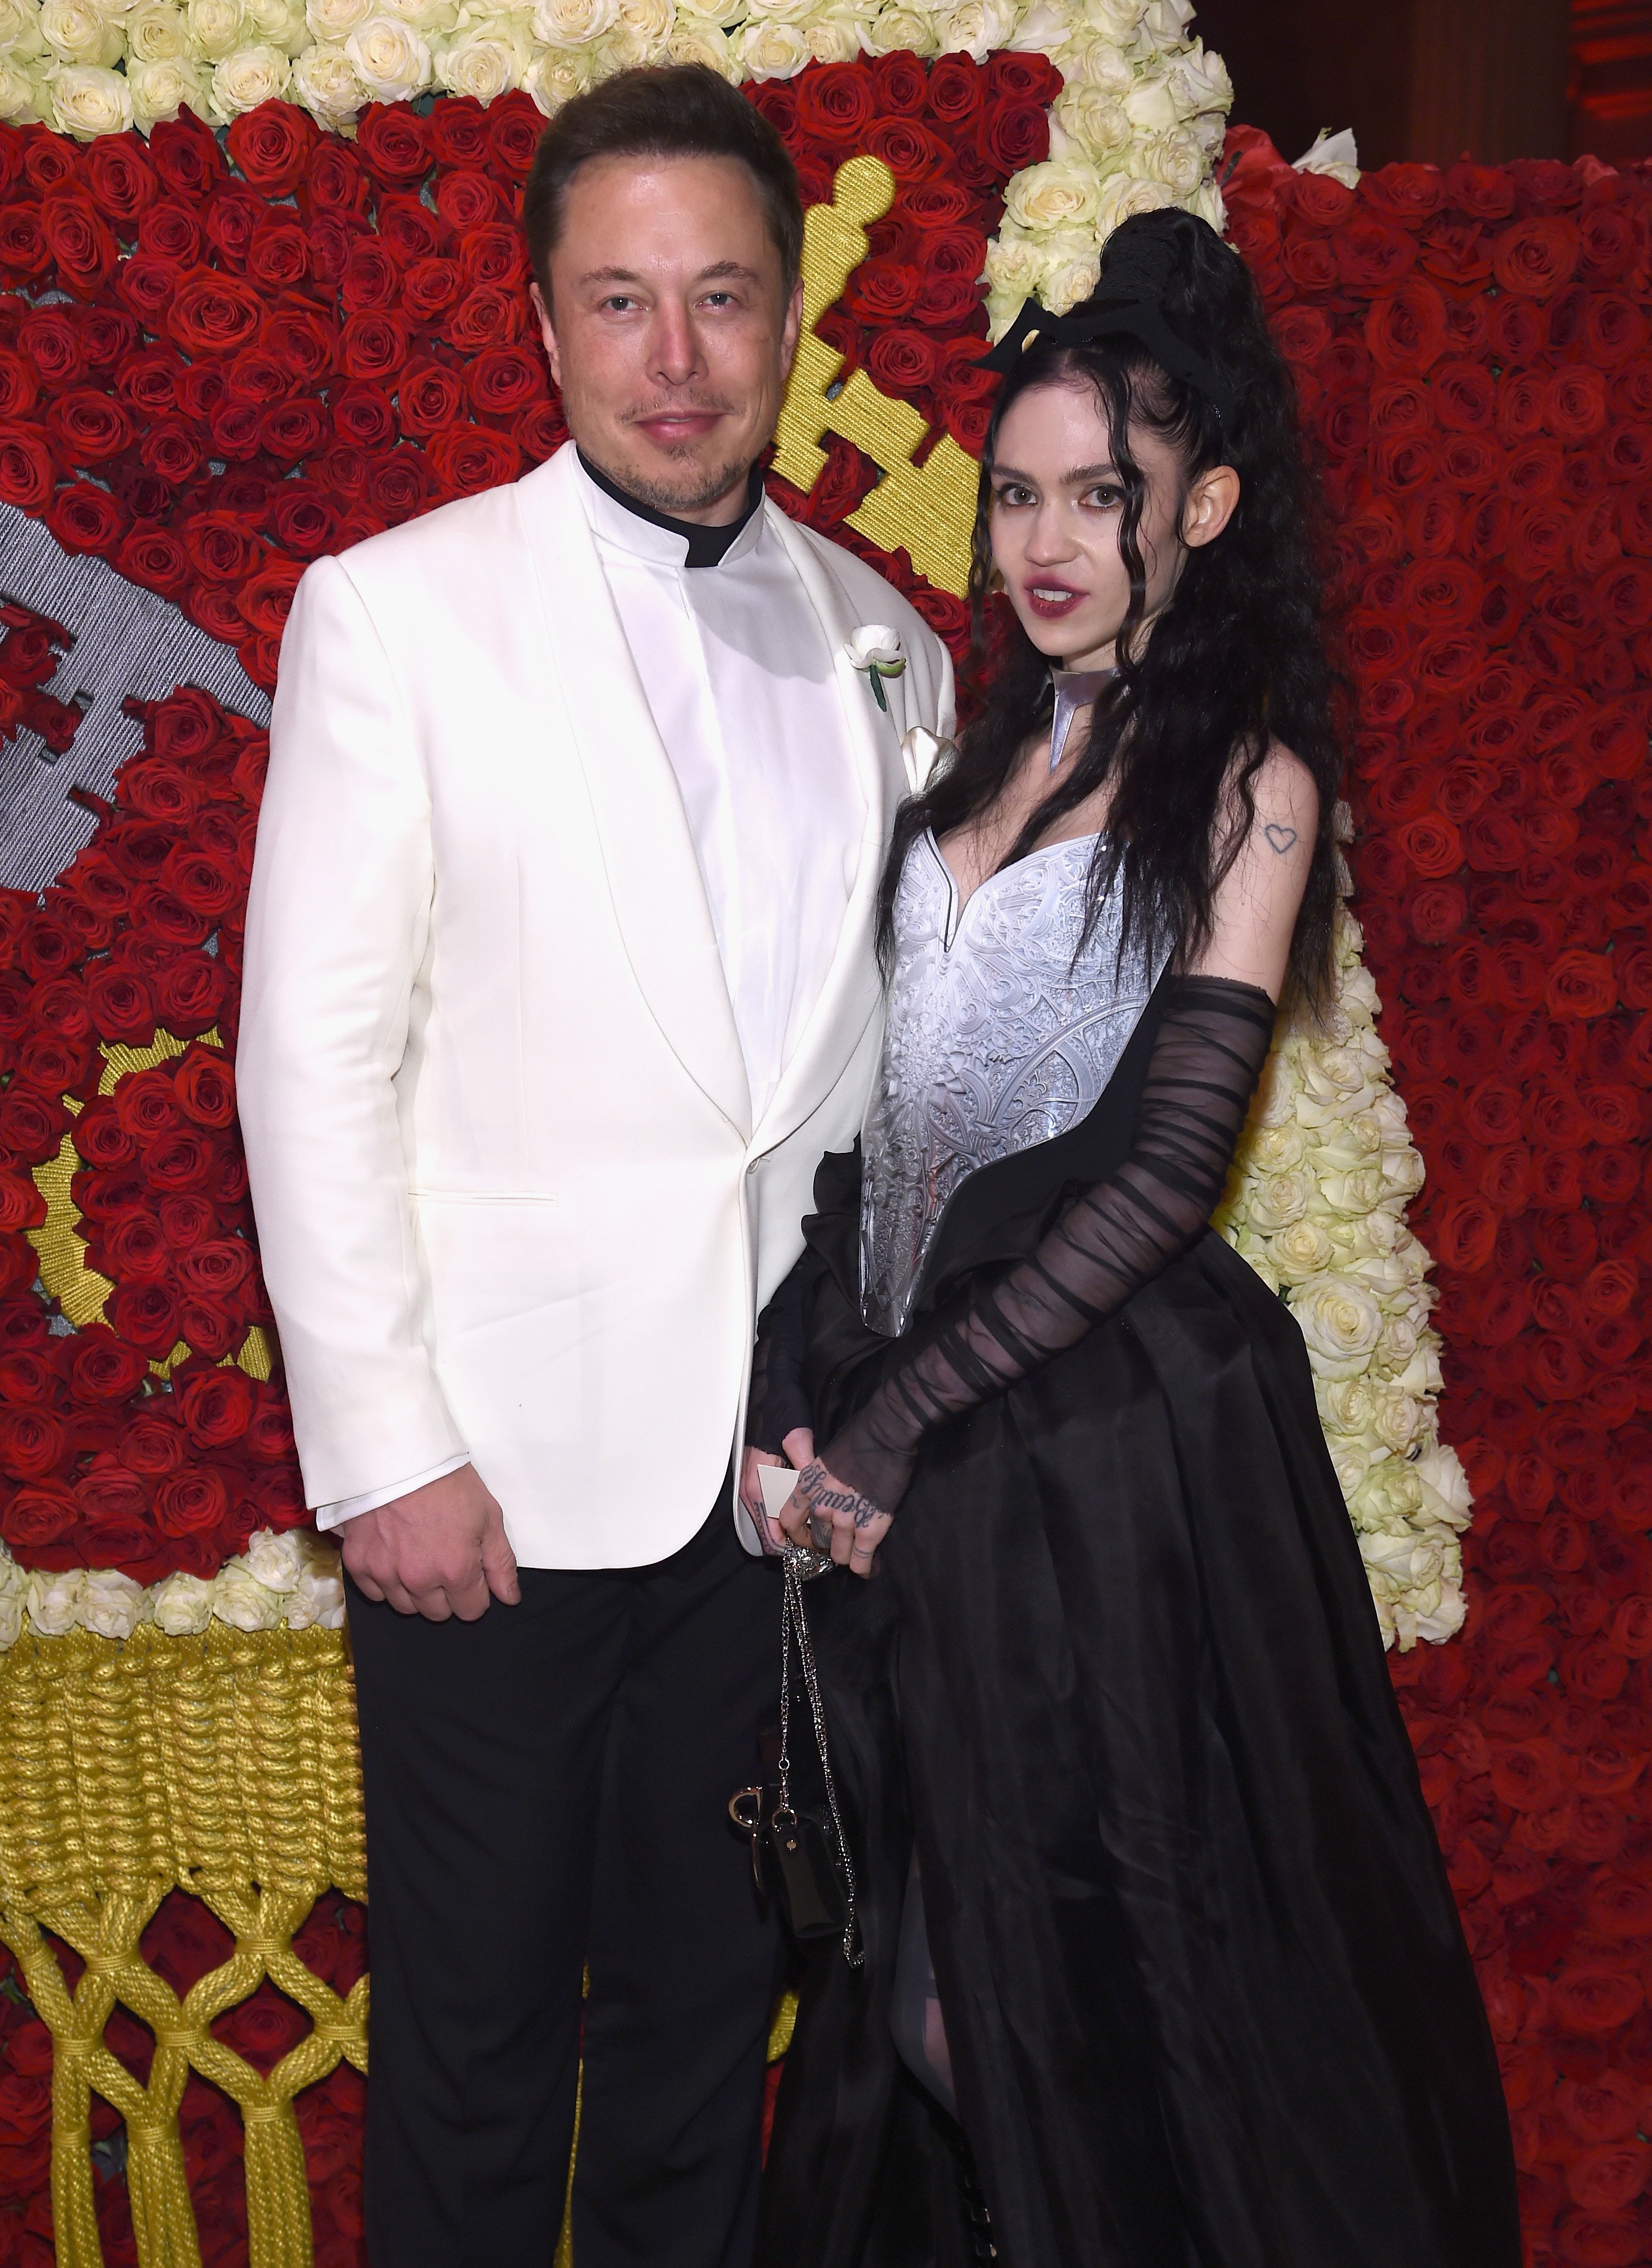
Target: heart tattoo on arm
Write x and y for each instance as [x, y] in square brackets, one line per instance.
[1279, 838]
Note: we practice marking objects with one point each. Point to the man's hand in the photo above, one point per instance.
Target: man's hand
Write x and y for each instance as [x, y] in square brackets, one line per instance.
[438, 1550]
[800, 1448]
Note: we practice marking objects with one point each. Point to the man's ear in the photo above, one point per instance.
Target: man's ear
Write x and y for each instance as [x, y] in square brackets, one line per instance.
[792, 328]
[547, 331]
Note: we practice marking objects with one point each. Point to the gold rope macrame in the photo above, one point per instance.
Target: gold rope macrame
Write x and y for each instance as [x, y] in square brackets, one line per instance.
[224, 1766]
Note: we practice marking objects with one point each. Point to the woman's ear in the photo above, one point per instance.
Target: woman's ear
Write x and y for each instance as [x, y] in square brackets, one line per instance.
[1211, 504]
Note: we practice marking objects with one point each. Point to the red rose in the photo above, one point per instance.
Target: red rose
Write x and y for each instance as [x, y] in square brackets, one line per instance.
[37, 1515]
[1610, 2176]
[302, 343]
[1014, 134]
[217, 1406]
[1536, 257]
[211, 313]
[393, 144]
[459, 131]
[333, 180]
[429, 397]
[467, 459]
[504, 380]
[154, 557]
[515, 125]
[26, 466]
[834, 104]
[24, 251]
[266, 601]
[33, 1443]
[408, 229]
[466, 200]
[188, 1503]
[186, 157]
[403, 482]
[86, 518]
[271, 146]
[80, 240]
[101, 1368]
[489, 315]
[116, 170]
[87, 427]
[494, 254]
[429, 287]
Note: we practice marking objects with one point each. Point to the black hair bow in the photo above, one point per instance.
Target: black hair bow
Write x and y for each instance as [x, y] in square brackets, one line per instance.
[1128, 302]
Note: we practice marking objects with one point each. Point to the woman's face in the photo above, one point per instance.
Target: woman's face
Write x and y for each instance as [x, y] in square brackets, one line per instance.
[1057, 505]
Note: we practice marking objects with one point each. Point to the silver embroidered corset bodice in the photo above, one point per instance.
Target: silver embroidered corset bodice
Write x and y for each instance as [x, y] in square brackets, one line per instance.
[1001, 1034]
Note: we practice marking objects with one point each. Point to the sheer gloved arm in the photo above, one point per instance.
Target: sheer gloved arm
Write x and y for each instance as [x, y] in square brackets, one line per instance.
[1208, 1054]
[778, 1403]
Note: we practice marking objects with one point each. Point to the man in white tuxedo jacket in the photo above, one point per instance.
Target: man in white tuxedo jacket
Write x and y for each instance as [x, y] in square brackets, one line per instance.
[559, 981]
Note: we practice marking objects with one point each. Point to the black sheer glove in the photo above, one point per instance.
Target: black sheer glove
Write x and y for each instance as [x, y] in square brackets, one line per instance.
[1207, 1059]
[779, 1403]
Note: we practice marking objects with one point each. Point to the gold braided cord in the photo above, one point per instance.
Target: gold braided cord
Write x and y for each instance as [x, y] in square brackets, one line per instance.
[224, 1766]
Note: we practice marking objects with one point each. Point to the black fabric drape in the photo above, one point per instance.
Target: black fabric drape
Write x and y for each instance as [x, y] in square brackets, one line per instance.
[1206, 1994]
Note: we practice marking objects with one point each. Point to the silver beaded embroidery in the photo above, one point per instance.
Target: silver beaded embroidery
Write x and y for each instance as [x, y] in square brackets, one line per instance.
[996, 1040]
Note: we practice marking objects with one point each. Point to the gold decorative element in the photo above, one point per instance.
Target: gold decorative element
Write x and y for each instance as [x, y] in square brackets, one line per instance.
[928, 511]
[78, 1288]
[223, 1765]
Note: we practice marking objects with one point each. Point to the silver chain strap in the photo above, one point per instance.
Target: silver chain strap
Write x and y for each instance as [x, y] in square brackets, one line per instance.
[800, 1567]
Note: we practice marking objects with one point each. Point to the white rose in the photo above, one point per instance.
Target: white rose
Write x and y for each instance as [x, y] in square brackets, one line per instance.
[319, 1596]
[1117, 20]
[556, 77]
[182, 1605]
[421, 16]
[326, 82]
[1302, 1250]
[765, 50]
[20, 31]
[1276, 1095]
[1440, 1470]
[1445, 1620]
[279, 24]
[275, 1558]
[55, 1601]
[1098, 63]
[111, 1605]
[1396, 1416]
[333, 20]
[1176, 159]
[1340, 1321]
[392, 62]
[1345, 1404]
[1164, 21]
[574, 23]
[893, 29]
[87, 102]
[1069, 269]
[247, 77]
[1356, 1141]
[1352, 1193]
[78, 33]
[1199, 82]
[1351, 1460]
[706, 44]
[1013, 266]
[157, 34]
[836, 37]
[1150, 105]
[23, 99]
[1274, 1149]
[976, 28]
[874, 645]
[216, 27]
[1206, 201]
[1054, 196]
[241, 1601]
[10, 1622]
[1095, 119]
[1123, 195]
[1276, 1200]
[1045, 30]
[479, 64]
[160, 90]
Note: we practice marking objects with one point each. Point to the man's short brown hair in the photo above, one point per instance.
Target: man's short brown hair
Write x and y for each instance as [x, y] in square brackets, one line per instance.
[667, 110]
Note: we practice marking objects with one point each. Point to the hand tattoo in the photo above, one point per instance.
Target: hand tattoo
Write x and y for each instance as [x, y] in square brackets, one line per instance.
[813, 1488]
[1279, 838]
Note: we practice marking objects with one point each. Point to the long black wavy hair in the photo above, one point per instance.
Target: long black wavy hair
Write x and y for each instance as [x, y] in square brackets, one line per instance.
[1234, 662]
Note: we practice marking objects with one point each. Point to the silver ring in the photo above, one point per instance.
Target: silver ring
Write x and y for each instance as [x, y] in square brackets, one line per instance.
[820, 1532]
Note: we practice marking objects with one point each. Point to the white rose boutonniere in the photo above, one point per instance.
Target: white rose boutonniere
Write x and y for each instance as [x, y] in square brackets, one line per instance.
[876, 649]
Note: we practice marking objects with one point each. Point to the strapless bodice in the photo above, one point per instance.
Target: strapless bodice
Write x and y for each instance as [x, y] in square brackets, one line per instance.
[1001, 1033]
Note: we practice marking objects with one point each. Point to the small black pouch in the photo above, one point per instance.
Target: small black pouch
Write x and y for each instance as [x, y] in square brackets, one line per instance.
[799, 1856]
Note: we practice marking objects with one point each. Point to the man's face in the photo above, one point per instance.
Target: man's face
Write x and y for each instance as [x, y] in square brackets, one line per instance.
[670, 331]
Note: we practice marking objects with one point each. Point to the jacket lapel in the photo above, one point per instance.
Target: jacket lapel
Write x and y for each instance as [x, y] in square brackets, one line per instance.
[851, 994]
[648, 855]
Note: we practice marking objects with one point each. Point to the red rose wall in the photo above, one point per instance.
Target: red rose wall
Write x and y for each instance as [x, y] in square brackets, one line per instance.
[219, 361]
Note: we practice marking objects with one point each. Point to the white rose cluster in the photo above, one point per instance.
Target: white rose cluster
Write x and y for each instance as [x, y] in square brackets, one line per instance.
[290, 1580]
[1316, 1206]
[1140, 118]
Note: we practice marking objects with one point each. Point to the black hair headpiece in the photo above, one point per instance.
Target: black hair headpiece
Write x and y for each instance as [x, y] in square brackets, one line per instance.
[1128, 302]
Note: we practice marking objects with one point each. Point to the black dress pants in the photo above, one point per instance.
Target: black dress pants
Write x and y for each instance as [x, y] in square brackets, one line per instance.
[546, 1790]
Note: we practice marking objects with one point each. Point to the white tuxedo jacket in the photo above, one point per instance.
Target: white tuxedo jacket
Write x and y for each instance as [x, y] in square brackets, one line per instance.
[509, 1198]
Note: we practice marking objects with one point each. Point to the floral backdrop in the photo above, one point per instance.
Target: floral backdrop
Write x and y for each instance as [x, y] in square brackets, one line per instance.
[224, 352]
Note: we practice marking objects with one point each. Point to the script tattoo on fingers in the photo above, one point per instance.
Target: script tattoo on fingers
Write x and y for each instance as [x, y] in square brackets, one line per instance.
[1279, 838]
[813, 1484]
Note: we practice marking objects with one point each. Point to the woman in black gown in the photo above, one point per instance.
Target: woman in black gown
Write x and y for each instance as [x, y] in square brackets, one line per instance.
[1160, 1950]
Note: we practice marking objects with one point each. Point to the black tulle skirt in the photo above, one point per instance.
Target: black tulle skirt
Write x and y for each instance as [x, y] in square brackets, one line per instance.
[1121, 1684]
